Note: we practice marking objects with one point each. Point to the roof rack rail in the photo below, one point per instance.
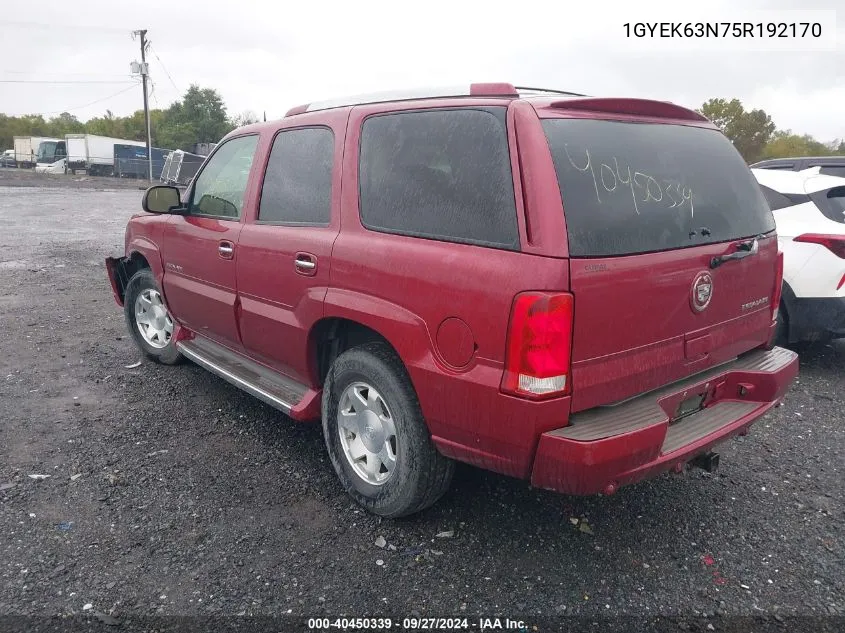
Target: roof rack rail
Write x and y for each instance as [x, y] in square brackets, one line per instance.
[548, 91]
[471, 90]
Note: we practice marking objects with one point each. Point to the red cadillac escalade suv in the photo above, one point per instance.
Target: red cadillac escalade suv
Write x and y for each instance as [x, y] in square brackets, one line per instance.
[573, 290]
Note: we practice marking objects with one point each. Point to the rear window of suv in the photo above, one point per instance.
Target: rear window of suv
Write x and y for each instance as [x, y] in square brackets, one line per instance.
[441, 174]
[631, 188]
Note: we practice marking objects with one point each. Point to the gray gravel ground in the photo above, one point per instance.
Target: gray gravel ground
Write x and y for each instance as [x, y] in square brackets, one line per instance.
[171, 492]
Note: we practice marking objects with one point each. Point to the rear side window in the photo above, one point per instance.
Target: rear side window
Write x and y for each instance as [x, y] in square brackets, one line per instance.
[632, 188]
[439, 174]
[833, 170]
[831, 203]
[297, 185]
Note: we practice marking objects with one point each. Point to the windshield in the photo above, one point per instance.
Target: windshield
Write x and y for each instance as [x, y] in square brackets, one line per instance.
[640, 187]
[46, 152]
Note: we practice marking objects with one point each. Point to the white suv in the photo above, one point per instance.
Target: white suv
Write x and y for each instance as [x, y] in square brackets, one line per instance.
[809, 211]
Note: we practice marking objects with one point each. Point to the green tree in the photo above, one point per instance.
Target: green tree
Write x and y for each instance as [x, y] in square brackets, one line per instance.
[200, 117]
[785, 144]
[65, 123]
[749, 131]
[244, 118]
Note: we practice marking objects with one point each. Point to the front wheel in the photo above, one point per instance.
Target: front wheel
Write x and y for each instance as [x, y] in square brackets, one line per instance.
[148, 319]
[376, 437]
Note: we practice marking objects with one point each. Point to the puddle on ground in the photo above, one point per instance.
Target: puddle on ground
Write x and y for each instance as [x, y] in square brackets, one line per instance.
[14, 263]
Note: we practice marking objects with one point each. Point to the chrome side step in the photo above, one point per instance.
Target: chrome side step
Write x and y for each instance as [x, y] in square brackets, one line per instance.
[257, 380]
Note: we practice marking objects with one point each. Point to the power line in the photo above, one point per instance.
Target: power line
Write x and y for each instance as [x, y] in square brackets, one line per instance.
[64, 74]
[153, 91]
[119, 92]
[68, 81]
[64, 27]
[164, 68]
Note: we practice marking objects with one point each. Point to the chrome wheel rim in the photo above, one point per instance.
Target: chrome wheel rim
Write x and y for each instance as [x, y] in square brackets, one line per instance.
[367, 433]
[152, 318]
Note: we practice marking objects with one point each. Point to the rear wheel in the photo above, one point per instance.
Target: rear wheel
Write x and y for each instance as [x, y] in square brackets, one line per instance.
[376, 437]
[149, 320]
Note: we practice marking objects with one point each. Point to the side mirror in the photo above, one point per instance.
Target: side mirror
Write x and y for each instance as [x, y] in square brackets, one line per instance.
[161, 199]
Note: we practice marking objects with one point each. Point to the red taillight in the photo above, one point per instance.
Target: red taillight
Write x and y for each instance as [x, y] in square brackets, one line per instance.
[834, 243]
[841, 282]
[776, 293]
[539, 344]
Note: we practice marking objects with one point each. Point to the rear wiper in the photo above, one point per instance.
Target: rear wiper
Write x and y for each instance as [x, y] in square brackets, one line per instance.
[743, 250]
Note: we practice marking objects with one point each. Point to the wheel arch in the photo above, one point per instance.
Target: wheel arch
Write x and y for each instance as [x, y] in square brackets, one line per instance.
[787, 300]
[330, 336]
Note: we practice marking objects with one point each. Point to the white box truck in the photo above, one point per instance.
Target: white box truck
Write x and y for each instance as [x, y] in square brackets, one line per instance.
[26, 149]
[94, 154]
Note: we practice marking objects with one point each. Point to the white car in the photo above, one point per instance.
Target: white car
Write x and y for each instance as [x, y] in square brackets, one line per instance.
[809, 211]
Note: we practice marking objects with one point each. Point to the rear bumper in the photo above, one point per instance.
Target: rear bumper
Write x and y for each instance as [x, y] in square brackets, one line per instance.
[608, 447]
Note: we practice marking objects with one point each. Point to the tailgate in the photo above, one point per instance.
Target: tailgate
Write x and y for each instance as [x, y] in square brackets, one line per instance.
[639, 320]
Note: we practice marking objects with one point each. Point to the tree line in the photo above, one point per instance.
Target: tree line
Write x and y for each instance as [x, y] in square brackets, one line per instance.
[756, 136]
[200, 116]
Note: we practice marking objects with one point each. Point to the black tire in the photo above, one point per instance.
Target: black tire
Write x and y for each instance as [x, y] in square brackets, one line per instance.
[142, 280]
[421, 474]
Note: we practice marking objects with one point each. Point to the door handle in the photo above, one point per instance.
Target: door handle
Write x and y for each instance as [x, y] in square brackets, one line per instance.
[305, 264]
[226, 249]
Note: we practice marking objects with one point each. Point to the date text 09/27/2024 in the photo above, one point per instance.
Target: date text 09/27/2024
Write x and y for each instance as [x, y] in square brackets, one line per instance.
[417, 624]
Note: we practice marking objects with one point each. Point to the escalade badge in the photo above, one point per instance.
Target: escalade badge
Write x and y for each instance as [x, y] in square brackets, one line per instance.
[702, 291]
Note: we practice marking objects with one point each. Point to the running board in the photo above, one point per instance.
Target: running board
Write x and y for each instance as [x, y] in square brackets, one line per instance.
[257, 380]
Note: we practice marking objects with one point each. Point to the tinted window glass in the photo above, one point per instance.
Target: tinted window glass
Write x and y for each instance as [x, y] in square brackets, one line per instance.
[780, 201]
[833, 170]
[220, 187]
[773, 165]
[298, 183]
[831, 203]
[46, 152]
[441, 174]
[639, 187]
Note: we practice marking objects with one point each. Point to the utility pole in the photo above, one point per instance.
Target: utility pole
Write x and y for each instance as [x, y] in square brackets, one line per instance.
[144, 73]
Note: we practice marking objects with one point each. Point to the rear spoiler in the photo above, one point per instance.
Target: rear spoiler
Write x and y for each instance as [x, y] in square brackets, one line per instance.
[642, 107]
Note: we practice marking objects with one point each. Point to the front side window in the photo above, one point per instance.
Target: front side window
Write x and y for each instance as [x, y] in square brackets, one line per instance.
[439, 174]
[297, 187]
[219, 189]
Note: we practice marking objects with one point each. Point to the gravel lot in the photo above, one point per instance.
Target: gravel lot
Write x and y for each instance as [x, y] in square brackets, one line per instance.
[170, 492]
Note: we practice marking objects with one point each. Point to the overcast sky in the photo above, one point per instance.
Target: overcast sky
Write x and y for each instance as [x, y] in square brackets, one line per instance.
[269, 56]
